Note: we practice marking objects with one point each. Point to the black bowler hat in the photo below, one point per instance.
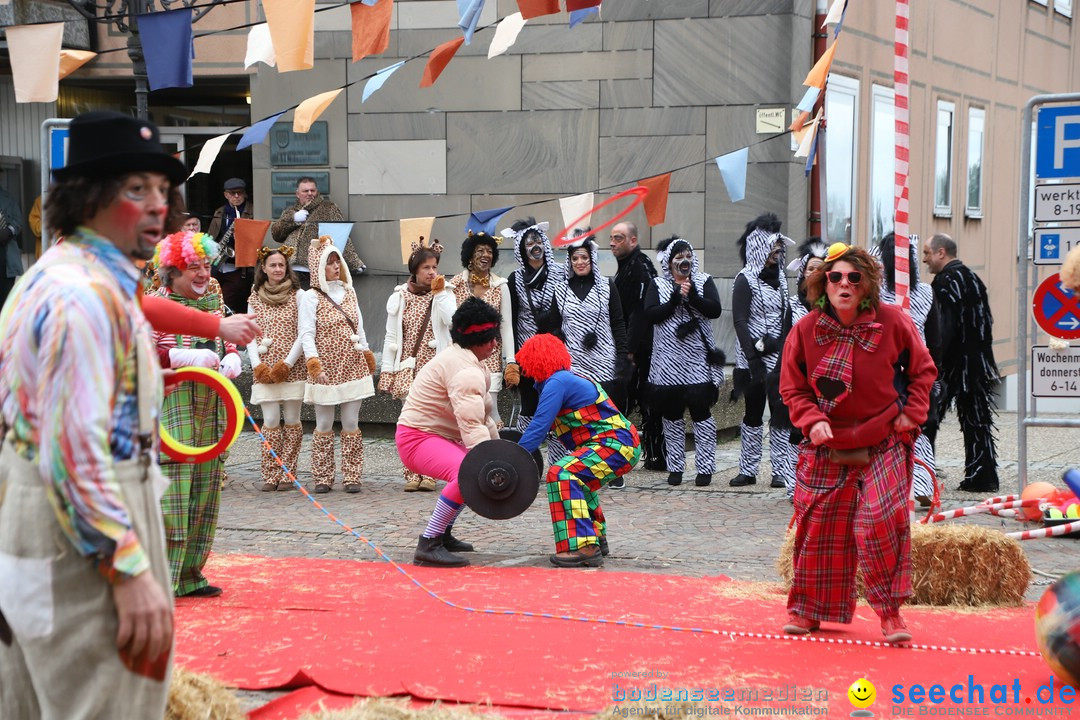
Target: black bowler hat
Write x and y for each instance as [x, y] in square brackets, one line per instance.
[108, 144]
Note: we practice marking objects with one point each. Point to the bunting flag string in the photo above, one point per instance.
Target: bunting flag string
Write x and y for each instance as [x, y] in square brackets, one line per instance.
[732, 165]
[901, 95]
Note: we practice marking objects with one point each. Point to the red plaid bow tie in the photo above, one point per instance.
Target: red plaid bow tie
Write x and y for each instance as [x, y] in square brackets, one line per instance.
[832, 376]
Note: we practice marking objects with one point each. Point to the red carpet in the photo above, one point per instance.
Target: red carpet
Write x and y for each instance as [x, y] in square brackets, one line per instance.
[359, 628]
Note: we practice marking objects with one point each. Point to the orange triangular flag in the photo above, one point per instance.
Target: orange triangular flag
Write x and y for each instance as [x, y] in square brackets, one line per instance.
[370, 28]
[292, 31]
[309, 111]
[440, 58]
[72, 60]
[537, 8]
[247, 239]
[797, 124]
[656, 200]
[820, 72]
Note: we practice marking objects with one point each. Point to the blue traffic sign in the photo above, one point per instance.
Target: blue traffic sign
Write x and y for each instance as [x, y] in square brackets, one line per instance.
[58, 142]
[1050, 246]
[1056, 309]
[1057, 142]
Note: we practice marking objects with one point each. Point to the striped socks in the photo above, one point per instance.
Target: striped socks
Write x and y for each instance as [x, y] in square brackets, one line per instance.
[446, 511]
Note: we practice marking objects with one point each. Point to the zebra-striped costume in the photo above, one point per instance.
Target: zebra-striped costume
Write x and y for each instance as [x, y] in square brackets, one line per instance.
[681, 375]
[921, 299]
[593, 330]
[759, 311]
[532, 293]
[590, 317]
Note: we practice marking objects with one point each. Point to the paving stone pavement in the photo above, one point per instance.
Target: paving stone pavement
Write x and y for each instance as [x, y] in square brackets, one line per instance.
[653, 527]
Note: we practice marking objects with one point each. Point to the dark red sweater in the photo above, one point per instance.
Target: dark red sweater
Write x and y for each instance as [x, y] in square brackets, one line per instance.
[895, 377]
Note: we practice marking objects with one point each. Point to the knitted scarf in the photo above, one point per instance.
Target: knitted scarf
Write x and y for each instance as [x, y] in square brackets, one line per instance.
[275, 295]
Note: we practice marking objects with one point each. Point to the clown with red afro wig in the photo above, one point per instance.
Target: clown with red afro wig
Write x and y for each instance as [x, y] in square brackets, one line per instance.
[602, 446]
[541, 356]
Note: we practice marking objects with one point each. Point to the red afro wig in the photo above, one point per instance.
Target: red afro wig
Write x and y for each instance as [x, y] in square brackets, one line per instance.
[541, 356]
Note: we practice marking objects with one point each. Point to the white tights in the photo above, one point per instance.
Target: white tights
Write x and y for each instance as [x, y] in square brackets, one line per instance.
[272, 412]
[350, 416]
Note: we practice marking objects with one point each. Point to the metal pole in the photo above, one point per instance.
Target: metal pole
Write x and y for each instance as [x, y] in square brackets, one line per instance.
[1022, 293]
[138, 60]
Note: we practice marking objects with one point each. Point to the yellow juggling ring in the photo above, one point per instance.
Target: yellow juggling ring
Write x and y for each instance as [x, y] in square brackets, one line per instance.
[234, 411]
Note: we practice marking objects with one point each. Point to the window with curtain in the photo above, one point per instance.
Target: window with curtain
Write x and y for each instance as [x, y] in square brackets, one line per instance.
[976, 137]
[841, 107]
[882, 164]
[943, 146]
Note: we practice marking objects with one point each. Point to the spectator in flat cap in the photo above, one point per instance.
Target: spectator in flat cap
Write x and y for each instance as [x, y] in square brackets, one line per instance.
[235, 282]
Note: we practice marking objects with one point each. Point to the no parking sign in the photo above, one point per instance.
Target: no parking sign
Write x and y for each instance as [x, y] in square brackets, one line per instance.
[1057, 309]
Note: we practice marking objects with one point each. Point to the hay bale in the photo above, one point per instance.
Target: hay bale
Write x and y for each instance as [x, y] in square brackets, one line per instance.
[952, 565]
[200, 697]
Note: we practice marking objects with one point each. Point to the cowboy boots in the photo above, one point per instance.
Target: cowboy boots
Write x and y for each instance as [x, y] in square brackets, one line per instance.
[322, 460]
[352, 459]
[271, 471]
[292, 436]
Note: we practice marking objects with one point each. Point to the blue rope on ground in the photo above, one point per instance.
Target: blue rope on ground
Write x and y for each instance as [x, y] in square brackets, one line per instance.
[730, 634]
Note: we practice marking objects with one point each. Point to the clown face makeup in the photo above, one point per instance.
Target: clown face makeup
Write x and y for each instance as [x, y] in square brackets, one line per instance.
[193, 281]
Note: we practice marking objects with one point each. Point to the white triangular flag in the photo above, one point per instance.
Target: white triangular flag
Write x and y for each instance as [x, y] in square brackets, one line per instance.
[576, 210]
[836, 10]
[260, 48]
[506, 34]
[209, 154]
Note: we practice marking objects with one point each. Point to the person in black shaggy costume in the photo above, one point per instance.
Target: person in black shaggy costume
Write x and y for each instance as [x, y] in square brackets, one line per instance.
[968, 373]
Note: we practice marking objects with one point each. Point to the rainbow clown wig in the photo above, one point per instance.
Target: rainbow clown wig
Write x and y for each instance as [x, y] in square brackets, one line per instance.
[183, 248]
[541, 356]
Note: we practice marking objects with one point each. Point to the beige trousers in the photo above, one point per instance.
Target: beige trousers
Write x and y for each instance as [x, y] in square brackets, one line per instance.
[63, 663]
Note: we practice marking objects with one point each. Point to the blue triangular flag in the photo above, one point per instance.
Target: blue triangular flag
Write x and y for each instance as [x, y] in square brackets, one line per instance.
[486, 220]
[167, 47]
[808, 100]
[257, 132]
[338, 232]
[733, 169]
[378, 79]
[813, 151]
[578, 16]
[469, 14]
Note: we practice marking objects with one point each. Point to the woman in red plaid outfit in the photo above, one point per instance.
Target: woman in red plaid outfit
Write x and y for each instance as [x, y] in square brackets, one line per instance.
[856, 378]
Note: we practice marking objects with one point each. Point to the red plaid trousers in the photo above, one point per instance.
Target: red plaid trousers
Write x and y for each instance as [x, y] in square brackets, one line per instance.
[849, 516]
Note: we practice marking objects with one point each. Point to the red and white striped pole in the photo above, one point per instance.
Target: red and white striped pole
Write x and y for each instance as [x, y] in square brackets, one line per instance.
[901, 96]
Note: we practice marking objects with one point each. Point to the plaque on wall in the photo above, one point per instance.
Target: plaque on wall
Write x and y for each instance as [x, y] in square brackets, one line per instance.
[278, 203]
[285, 182]
[289, 148]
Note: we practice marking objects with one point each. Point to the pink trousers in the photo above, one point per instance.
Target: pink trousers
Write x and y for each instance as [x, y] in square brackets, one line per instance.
[432, 455]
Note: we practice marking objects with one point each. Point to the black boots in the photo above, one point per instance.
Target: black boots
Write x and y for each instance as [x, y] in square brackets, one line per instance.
[452, 544]
[674, 478]
[741, 480]
[703, 479]
[430, 551]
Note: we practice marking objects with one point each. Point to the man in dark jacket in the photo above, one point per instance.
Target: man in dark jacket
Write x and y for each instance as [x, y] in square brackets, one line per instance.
[10, 235]
[635, 274]
[235, 282]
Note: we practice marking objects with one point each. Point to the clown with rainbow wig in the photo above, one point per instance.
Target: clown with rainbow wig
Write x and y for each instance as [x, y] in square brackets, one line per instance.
[193, 414]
